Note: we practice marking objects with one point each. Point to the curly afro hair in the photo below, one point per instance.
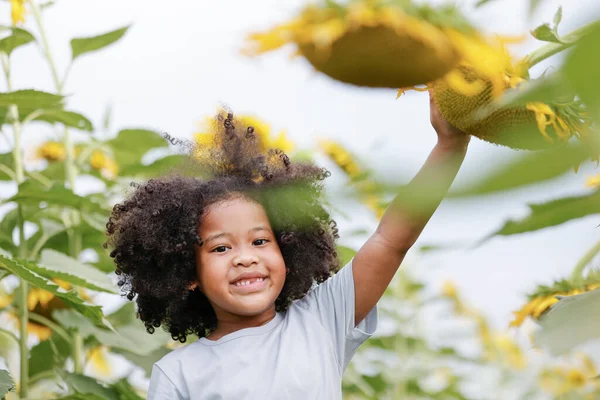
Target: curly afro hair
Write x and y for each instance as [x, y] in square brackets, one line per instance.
[153, 233]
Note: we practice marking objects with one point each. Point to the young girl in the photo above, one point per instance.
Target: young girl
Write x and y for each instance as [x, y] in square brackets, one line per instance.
[241, 256]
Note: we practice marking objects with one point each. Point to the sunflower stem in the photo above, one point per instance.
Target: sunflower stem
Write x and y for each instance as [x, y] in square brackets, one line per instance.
[59, 330]
[70, 171]
[550, 49]
[577, 274]
[13, 117]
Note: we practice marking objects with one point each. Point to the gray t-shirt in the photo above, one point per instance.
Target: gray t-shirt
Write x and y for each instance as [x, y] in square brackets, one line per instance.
[300, 354]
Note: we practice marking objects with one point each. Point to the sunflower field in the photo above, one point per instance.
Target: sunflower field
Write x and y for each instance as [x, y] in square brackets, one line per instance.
[67, 333]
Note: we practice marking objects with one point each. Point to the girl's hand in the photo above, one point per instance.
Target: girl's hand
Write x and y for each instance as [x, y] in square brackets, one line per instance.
[448, 136]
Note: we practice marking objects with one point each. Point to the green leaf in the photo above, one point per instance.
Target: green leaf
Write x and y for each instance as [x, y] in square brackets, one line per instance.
[6, 383]
[123, 316]
[17, 38]
[530, 168]
[145, 362]
[58, 265]
[553, 213]
[557, 18]
[6, 159]
[67, 118]
[345, 254]
[545, 33]
[49, 354]
[32, 194]
[24, 270]
[125, 391]
[570, 322]
[31, 99]
[130, 145]
[157, 168]
[548, 88]
[131, 337]
[47, 4]
[80, 46]
[88, 386]
[581, 70]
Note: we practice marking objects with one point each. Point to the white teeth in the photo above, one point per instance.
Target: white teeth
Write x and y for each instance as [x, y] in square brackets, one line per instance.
[247, 282]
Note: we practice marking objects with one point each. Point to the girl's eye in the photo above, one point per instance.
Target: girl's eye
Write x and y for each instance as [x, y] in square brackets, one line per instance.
[220, 249]
[259, 242]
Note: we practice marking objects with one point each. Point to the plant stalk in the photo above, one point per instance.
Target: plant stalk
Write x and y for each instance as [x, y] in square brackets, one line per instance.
[23, 291]
[577, 274]
[70, 171]
[550, 49]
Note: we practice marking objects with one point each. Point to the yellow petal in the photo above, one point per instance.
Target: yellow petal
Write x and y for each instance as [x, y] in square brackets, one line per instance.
[98, 361]
[17, 13]
[283, 143]
[456, 80]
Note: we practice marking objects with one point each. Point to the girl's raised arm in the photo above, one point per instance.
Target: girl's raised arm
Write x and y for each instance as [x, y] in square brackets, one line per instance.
[378, 260]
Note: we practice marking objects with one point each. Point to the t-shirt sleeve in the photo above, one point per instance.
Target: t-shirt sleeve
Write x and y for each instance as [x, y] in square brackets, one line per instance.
[333, 303]
[161, 387]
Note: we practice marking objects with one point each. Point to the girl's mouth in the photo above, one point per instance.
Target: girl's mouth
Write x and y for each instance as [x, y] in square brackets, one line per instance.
[250, 285]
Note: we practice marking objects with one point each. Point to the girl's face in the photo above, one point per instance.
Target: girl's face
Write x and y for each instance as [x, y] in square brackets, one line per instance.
[239, 265]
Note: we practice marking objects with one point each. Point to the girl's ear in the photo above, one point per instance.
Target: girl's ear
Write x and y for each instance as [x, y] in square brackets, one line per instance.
[194, 285]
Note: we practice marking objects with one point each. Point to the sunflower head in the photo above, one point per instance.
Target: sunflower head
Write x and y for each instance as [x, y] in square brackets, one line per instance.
[545, 296]
[205, 139]
[52, 151]
[368, 42]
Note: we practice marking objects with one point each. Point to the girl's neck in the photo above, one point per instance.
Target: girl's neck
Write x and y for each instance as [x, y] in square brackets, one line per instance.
[227, 324]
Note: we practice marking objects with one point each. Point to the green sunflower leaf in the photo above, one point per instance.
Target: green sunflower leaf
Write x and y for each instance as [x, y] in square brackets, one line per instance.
[31, 99]
[130, 145]
[80, 46]
[553, 213]
[6, 383]
[528, 169]
[18, 37]
[54, 264]
[25, 271]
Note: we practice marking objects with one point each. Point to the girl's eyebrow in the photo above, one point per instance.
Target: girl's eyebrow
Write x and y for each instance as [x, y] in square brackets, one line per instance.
[222, 234]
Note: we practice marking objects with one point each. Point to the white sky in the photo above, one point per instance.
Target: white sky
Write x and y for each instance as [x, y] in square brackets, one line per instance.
[181, 58]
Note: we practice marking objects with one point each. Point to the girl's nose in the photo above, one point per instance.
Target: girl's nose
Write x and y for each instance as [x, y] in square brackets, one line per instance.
[245, 259]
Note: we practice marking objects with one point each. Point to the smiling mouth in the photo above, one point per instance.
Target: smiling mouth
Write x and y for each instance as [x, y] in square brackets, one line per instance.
[250, 285]
[248, 282]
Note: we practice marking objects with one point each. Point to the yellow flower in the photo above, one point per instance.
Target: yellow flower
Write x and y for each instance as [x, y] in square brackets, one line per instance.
[205, 139]
[474, 85]
[509, 351]
[449, 290]
[340, 156]
[560, 381]
[593, 181]
[52, 151]
[17, 12]
[98, 361]
[103, 163]
[538, 305]
[367, 42]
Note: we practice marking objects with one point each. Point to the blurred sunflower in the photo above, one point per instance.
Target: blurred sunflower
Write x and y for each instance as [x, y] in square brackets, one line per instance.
[52, 151]
[17, 12]
[205, 138]
[341, 157]
[98, 160]
[593, 181]
[545, 296]
[473, 86]
[496, 347]
[562, 380]
[97, 360]
[44, 303]
[368, 42]
[367, 189]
